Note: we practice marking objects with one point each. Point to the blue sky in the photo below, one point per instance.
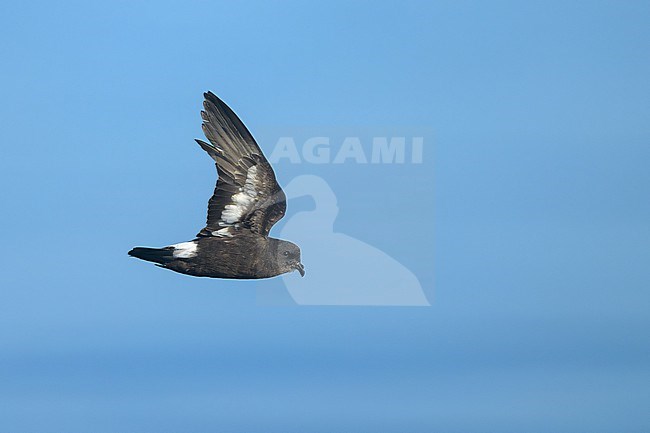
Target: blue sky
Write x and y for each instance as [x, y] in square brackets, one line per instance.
[526, 223]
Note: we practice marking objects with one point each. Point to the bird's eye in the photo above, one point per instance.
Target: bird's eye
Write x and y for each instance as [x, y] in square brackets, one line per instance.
[286, 253]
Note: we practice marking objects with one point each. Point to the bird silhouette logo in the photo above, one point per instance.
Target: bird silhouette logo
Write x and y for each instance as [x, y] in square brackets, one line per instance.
[342, 269]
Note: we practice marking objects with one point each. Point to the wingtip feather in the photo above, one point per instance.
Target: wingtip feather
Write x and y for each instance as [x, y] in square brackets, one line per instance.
[209, 96]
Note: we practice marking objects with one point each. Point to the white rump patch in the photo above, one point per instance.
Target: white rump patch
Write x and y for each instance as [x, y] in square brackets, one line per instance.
[243, 200]
[185, 250]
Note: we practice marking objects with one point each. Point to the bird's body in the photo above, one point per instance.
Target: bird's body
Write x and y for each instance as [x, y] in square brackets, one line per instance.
[246, 203]
[247, 255]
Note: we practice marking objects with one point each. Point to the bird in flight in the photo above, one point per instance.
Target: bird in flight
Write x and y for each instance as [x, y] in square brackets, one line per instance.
[246, 203]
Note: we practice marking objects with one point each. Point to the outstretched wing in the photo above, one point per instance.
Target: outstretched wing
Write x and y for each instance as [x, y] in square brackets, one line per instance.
[247, 194]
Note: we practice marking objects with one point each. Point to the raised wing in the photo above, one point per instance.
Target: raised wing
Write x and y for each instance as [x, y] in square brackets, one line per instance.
[247, 194]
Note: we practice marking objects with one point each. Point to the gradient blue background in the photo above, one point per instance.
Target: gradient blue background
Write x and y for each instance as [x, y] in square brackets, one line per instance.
[529, 216]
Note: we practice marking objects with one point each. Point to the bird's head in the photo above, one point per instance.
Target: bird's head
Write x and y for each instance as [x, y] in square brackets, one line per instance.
[288, 257]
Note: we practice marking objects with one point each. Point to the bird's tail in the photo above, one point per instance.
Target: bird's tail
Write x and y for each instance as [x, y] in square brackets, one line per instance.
[156, 255]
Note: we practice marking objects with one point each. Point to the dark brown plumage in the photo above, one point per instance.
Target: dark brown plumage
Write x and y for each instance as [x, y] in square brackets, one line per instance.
[246, 203]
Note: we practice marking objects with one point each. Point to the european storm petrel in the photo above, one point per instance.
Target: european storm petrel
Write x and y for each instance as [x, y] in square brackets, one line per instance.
[247, 201]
